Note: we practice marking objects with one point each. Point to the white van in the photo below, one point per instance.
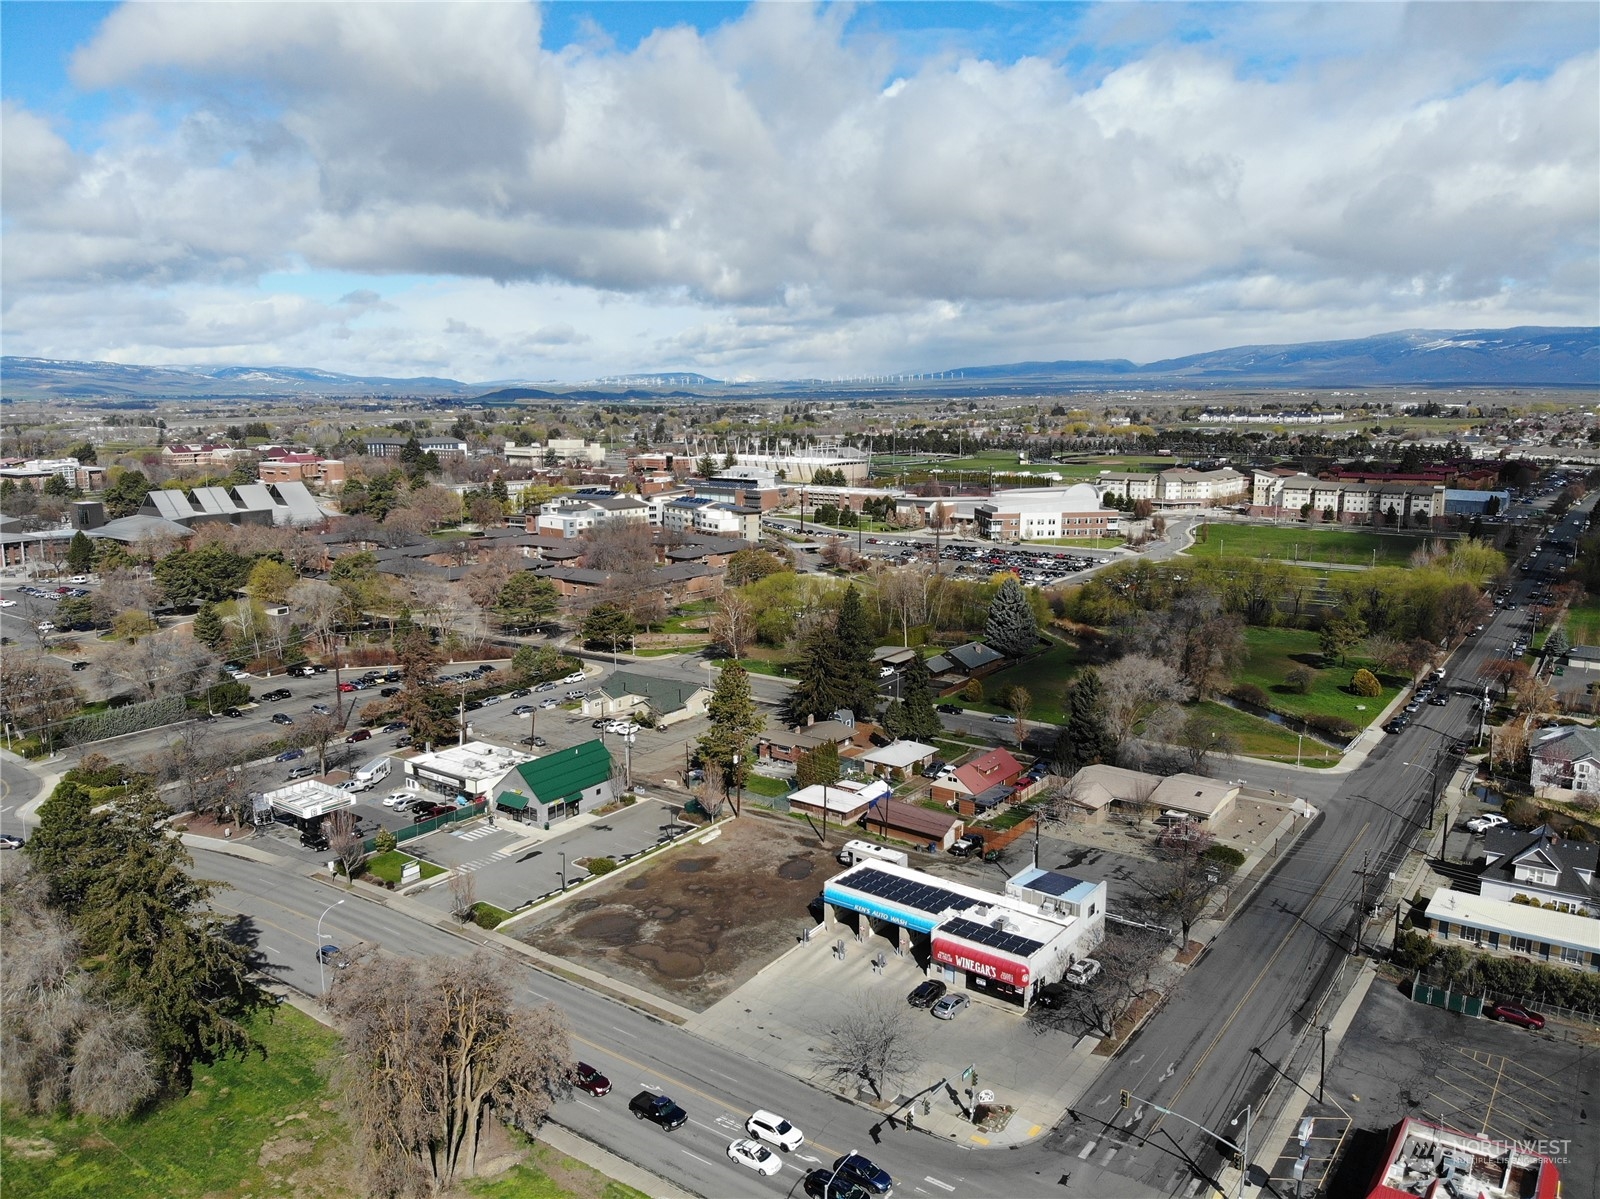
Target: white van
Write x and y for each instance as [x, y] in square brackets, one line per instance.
[866, 851]
[373, 773]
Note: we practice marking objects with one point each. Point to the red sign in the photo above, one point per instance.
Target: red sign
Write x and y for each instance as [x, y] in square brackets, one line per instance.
[973, 959]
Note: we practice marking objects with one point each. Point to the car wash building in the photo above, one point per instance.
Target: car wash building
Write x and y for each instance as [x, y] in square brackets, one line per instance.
[1003, 945]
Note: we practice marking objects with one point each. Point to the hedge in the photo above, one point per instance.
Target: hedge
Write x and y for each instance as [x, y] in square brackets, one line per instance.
[116, 722]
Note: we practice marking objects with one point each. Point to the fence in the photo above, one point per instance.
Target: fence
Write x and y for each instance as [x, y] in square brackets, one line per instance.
[402, 835]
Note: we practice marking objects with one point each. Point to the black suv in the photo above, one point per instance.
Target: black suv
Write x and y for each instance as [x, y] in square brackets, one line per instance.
[824, 1184]
[658, 1109]
[314, 838]
[927, 993]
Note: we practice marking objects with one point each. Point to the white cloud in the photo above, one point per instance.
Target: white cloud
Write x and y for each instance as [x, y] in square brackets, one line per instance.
[783, 195]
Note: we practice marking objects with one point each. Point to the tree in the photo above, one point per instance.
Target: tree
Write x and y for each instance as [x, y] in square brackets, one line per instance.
[1018, 701]
[608, 625]
[1340, 634]
[1133, 688]
[526, 599]
[748, 565]
[733, 624]
[208, 628]
[728, 746]
[819, 768]
[1012, 628]
[1128, 957]
[919, 718]
[819, 689]
[876, 1042]
[126, 494]
[65, 1047]
[858, 675]
[1190, 876]
[144, 922]
[80, 552]
[432, 1051]
[318, 607]
[1557, 644]
[1201, 735]
[345, 842]
[1085, 737]
[132, 625]
[706, 467]
[270, 580]
[36, 693]
[209, 574]
[1300, 679]
[1365, 684]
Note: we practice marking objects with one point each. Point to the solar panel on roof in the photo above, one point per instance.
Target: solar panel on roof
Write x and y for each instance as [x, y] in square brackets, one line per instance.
[994, 938]
[1052, 883]
[908, 892]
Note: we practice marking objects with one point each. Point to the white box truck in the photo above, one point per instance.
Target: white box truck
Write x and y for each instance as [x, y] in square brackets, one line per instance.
[373, 773]
[865, 851]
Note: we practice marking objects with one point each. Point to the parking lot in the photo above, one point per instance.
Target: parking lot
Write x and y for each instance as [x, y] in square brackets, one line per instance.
[1401, 1058]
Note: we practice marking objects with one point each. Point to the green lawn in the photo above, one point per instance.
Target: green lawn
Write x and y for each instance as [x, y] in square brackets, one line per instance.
[1272, 653]
[1043, 676]
[1582, 623]
[1307, 543]
[387, 866]
[1082, 543]
[1258, 738]
[760, 784]
[208, 1143]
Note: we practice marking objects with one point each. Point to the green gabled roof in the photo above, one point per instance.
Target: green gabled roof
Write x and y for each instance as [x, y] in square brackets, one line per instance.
[662, 694]
[510, 799]
[566, 773]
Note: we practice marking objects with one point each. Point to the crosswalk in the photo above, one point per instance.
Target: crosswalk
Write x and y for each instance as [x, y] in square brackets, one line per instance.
[478, 863]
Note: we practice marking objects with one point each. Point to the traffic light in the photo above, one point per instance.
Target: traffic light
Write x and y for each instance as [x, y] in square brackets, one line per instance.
[1127, 1099]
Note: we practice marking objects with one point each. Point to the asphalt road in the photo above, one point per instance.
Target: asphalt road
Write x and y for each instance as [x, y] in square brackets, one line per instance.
[718, 1088]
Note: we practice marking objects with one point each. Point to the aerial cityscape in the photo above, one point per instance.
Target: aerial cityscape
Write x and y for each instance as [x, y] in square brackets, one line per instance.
[783, 599]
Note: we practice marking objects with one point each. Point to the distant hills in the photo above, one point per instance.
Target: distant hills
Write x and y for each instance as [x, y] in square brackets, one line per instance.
[1531, 356]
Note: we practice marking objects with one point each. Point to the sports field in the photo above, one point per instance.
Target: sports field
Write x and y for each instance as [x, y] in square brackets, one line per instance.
[1308, 543]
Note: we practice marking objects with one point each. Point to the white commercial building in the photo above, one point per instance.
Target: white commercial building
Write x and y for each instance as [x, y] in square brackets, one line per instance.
[558, 451]
[462, 771]
[571, 515]
[1044, 513]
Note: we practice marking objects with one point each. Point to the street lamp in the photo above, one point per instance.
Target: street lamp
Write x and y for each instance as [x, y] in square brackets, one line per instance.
[1244, 1155]
[322, 970]
[828, 1190]
[1433, 787]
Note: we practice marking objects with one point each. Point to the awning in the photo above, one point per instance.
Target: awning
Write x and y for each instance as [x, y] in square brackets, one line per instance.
[510, 799]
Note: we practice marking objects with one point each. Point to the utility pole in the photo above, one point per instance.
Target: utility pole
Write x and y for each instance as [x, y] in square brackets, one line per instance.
[1361, 901]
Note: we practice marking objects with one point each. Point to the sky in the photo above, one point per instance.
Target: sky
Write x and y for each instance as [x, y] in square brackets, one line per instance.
[576, 191]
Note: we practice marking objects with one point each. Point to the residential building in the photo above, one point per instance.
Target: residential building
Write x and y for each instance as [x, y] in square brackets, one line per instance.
[993, 772]
[443, 448]
[324, 474]
[1540, 867]
[1279, 495]
[1176, 487]
[913, 823]
[1568, 758]
[209, 453]
[701, 514]
[846, 801]
[667, 701]
[790, 745]
[385, 447]
[907, 757]
[559, 785]
[571, 515]
[36, 472]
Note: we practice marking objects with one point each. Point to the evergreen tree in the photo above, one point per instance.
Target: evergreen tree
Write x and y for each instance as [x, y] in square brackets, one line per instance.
[209, 629]
[80, 552]
[1085, 737]
[1012, 627]
[894, 719]
[818, 766]
[728, 746]
[859, 677]
[819, 691]
[921, 719]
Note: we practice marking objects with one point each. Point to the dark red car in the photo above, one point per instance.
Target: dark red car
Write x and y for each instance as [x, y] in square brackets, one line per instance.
[586, 1078]
[1512, 1014]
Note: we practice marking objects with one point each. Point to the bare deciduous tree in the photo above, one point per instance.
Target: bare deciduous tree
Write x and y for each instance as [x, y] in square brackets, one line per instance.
[463, 895]
[876, 1042]
[163, 664]
[345, 842]
[1127, 958]
[1133, 687]
[433, 1050]
[733, 624]
[318, 606]
[62, 1047]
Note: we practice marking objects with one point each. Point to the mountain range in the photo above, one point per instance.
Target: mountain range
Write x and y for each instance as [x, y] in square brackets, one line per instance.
[1530, 356]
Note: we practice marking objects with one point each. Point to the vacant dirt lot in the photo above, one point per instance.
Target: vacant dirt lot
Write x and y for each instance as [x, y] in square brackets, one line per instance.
[702, 919]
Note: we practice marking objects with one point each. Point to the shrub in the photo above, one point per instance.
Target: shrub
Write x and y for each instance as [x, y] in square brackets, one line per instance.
[1520, 810]
[1249, 693]
[486, 915]
[384, 842]
[1300, 680]
[1337, 726]
[1412, 950]
[1580, 832]
[598, 866]
[1365, 683]
[1226, 855]
[973, 692]
[133, 718]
